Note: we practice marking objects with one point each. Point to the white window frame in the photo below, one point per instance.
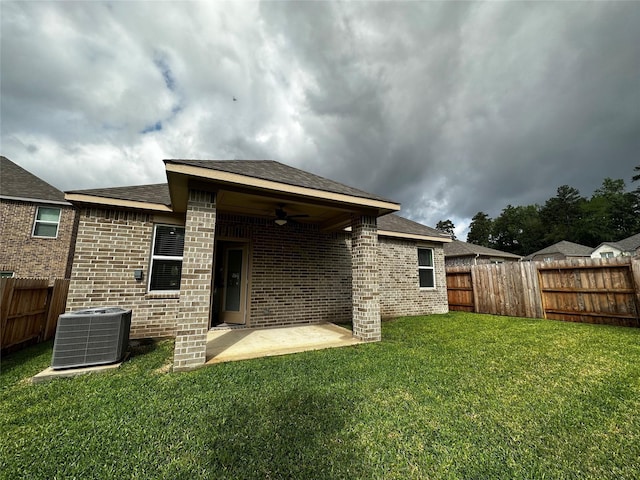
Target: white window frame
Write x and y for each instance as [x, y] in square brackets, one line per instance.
[161, 257]
[7, 274]
[607, 254]
[37, 222]
[425, 267]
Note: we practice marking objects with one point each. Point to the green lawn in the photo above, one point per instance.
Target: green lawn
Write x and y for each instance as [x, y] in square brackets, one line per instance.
[445, 396]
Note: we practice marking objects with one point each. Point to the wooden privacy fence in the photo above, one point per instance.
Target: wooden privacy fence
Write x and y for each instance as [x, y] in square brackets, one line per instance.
[577, 290]
[29, 310]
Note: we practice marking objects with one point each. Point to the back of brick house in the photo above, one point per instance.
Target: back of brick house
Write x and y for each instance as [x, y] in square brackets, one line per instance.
[168, 251]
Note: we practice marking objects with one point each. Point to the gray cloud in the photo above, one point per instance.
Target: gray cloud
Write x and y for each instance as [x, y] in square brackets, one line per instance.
[449, 108]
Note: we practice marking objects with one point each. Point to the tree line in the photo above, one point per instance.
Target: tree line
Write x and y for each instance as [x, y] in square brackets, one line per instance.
[611, 214]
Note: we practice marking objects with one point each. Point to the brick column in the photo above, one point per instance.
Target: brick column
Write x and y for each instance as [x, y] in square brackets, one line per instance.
[364, 264]
[195, 286]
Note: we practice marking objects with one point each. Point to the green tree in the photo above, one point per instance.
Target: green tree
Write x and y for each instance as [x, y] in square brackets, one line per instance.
[480, 230]
[561, 215]
[518, 230]
[446, 226]
[617, 209]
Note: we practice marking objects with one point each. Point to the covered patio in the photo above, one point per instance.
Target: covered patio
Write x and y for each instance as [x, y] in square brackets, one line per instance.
[231, 344]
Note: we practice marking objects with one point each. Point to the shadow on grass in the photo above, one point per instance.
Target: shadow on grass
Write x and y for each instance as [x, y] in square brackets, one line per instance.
[26, 362]
[298, 434]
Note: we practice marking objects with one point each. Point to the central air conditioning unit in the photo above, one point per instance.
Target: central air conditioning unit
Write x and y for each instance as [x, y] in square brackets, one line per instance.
[95, 336]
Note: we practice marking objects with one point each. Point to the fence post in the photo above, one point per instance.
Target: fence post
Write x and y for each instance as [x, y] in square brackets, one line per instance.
[635, 273]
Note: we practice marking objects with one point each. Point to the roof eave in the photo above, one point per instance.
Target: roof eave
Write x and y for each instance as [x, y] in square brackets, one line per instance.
[35, 200]
[116, 202]
[244, 181]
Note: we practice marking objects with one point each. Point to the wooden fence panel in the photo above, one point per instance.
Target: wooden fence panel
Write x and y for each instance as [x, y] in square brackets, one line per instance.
[57, 305]
[579, 290]
[30, 310]
[590, 291]
[460, 289]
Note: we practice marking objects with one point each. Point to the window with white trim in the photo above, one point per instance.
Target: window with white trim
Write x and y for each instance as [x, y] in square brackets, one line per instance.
[46, 222]
[426, 271]
[166, 258]
[606, 255]
[7, 274]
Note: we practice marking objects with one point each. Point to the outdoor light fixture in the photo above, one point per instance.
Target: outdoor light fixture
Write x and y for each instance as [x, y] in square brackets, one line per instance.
[281, 221]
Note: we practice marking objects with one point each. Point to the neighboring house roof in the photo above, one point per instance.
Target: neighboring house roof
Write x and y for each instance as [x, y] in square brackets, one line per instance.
[458, 248]
[278, 172]
[568, 249]
[16, 183]
[629, 244]
[393, 225]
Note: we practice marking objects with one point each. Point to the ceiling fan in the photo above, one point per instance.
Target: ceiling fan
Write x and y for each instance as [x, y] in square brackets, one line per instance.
[282, 218]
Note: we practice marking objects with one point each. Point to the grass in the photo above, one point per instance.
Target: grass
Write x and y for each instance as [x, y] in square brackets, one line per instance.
[444, 396]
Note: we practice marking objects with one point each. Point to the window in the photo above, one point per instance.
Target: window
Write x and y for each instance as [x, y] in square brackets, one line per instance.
[47, 221]
[426, 272]
[6, 274]
[166, 258]
[606, 254]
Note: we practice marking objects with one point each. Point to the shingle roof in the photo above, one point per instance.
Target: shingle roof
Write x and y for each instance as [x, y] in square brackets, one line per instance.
[395, 223]
[568, 249]
[463, 249]
[279, 172]
[629, 244]
[16, 182]
[155, 193]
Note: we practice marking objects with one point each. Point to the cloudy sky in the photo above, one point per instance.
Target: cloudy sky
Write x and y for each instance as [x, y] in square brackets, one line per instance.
[448, 108]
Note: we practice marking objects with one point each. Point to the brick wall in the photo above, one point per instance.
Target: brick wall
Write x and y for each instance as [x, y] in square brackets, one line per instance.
[365, 279]
[400, 293]
[34, 257]
[111, 244]
[192, 321]
[299, 275]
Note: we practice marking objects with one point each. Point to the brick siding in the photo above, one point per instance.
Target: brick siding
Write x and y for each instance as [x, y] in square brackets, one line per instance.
[400, 293]
[31, 257]
[111, 244]
[365, 282]
[299, 275]
[195, 285]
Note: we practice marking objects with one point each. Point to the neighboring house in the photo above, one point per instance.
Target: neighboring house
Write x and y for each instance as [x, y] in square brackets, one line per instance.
[560, 251]
[253, 243]
[37, 231]
[629, 246]
[463, 253]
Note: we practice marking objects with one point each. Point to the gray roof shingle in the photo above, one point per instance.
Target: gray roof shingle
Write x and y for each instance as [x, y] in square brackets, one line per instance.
[629, 244]
[16, 182]
[395, 223]
[568, 249]
[157, 193]
[279, 172]
[458, 248]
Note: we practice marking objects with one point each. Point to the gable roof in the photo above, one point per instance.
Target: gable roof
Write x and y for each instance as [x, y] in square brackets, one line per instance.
[629, 244]
[458, 248]
[277, 172]
[157, 193]
[568, 249]
[16, 183]
[392, 225]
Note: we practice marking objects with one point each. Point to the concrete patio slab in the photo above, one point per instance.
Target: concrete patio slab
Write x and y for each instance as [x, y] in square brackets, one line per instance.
[240, 344]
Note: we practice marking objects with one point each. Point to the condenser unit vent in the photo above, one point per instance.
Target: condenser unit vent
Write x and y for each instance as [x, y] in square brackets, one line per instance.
[95, 336]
